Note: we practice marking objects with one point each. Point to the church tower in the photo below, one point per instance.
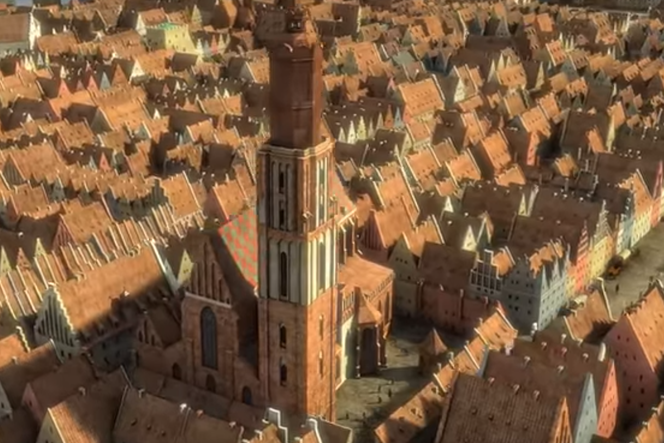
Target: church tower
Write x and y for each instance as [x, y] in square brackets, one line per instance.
[297, 311]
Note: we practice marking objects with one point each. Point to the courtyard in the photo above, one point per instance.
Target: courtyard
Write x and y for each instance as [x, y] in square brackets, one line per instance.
[365, 402]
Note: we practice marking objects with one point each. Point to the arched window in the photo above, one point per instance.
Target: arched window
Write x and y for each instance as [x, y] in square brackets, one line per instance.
[283, 275]
[320, 364]
[282, 336]
[246, 396]
[176, 371]
[210, 384]
[152, 340]
[283, 372]
[321, 326]
[140, 336]
[321, 266]
[208, 338]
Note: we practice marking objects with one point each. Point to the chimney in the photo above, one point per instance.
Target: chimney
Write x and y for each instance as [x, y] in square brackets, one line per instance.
[81, 391]
[543, 345]
[515, 388]
[561, 368]
[15, 360]
[585, 357]
[491, 380]
[183, 408]
[536, 394]
[563, 351]
[141, 392]
[508, 349]
[526, 360]
[562, 338]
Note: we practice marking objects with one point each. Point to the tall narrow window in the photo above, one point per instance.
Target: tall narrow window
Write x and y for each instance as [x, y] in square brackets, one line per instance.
[282, 336]
[321, 266]
[321, 192]
[282, 182]
[208, 338]
[320, 364]
[283, 372]
[283, 275]
[282, 215]
[321, 326]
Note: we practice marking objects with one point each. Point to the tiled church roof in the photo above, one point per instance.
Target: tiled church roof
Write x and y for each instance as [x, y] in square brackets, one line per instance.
[240, 237]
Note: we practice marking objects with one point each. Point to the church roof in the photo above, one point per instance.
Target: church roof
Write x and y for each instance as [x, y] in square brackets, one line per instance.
[240, 237]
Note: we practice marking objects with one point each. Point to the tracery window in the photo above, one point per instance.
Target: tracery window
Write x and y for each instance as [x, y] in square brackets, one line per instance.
[208, 338]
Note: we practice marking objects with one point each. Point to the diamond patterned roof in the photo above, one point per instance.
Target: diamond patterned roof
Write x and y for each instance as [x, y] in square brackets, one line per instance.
[241, 238]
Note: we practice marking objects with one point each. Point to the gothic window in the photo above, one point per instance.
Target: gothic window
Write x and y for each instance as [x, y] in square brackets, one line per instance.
[321, 326]
[321, 266]
[320, 364]
[282, 336]
[246, 396]
[283, 275]
[208, 338]
[283, 372]
[176, 371]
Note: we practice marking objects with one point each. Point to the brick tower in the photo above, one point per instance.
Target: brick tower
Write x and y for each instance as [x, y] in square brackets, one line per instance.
[296, 234]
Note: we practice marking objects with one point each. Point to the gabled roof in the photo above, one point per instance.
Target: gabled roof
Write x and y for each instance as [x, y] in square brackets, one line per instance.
[485, 411]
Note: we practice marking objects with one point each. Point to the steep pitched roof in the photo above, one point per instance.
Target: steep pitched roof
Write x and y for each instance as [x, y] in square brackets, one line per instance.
[487, 411]
[28, 366]
[241, 239]
[432, 344]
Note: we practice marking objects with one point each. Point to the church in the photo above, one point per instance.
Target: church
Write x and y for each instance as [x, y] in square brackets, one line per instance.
[280, 307]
